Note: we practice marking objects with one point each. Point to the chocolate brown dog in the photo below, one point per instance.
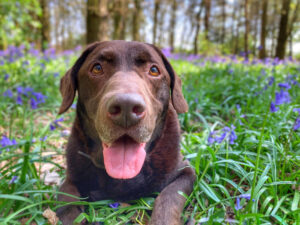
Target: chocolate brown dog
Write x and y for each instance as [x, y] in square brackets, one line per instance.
[124, 142]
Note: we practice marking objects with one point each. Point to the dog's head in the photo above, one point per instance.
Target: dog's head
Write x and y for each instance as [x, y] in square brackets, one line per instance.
[123, 89]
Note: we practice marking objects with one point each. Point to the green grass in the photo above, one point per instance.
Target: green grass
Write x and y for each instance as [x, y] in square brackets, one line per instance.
[263, 164]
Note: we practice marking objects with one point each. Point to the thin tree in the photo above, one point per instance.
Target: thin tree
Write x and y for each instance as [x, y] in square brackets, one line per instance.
[117, 17]
[155, 20]
[45, 21]
[198, 26]
[136, 20]
[172, 24]
[207, 4]
[223, 21]
[246, 29]
[263, 30]
[290, 27]
[283, 29]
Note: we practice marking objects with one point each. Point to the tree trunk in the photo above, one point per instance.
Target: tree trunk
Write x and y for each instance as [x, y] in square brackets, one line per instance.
[290, 28]
[255, 8]
[56, 27]
[223, 21]
[198, 24]
[207, 4]
[172, 24]
[124, 15]
[45, 21]
[92, 21]
[136, 20]
[161, 22]
[274, 27]
[283, 29]
[117, 19]
[237, 30]
[246, 29]
[263, 30]
[291, 46]
[104, 16]
[156, 9]
[233, 17]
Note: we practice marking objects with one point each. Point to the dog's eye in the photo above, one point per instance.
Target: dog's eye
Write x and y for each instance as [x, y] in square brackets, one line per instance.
[97, 69]
[154, 71]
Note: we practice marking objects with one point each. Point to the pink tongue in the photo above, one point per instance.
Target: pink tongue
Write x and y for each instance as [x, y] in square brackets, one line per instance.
[124, 158]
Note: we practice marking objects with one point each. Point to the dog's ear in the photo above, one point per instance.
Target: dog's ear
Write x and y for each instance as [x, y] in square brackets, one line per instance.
[68, 83]
[178, 100]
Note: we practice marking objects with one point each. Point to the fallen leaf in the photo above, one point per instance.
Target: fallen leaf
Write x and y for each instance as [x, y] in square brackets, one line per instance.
[51, 216]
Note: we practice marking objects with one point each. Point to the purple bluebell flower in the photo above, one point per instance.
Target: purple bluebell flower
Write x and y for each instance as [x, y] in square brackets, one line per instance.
[6, 142]
[282, 97]
[73, 106]
[284, 85]
[8, 93]
[221, 138]
[273, 108]
[39, 97]
[20, 90]
[271, 81]
[13, 179]
[245, 196]
[56, 74]
[297, 124]
[276, 61]
[230, 71]
[238, 200]
[6, 76]
[27, 91]
[34, 52]
[226, 129]
[52, 127]
[211, 138]
[43, 138]
[232, 135]
[297, 110]
[114, 205]
[77, 48]
[33, 103]
[67, 52]
[167, 52]
[55, 123]
[19, 100]
[226, 132]
[25, 63]
[294, 82]
[238, 204]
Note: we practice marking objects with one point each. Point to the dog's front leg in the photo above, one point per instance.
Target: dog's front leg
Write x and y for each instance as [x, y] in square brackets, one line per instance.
[67, 214]
[169, 204]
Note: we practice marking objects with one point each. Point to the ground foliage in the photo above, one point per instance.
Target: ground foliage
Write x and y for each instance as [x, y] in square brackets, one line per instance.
[241, 134]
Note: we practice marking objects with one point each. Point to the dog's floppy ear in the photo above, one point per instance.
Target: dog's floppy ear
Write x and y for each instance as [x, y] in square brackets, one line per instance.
[178, 100]
[68, 83]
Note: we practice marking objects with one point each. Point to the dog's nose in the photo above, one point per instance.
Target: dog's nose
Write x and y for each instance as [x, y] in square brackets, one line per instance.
[126, 110]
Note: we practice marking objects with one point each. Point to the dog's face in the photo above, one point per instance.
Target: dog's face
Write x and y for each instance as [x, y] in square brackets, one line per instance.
[124, 88]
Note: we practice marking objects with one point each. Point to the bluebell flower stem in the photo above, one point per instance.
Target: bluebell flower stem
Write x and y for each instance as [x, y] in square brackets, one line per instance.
[25, 162]
[261, 138]
[226, 164]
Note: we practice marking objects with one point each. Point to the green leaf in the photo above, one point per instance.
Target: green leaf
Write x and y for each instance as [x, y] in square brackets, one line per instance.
[295, 201]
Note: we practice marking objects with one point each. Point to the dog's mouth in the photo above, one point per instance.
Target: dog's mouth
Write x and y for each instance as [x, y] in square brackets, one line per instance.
[124, 158]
